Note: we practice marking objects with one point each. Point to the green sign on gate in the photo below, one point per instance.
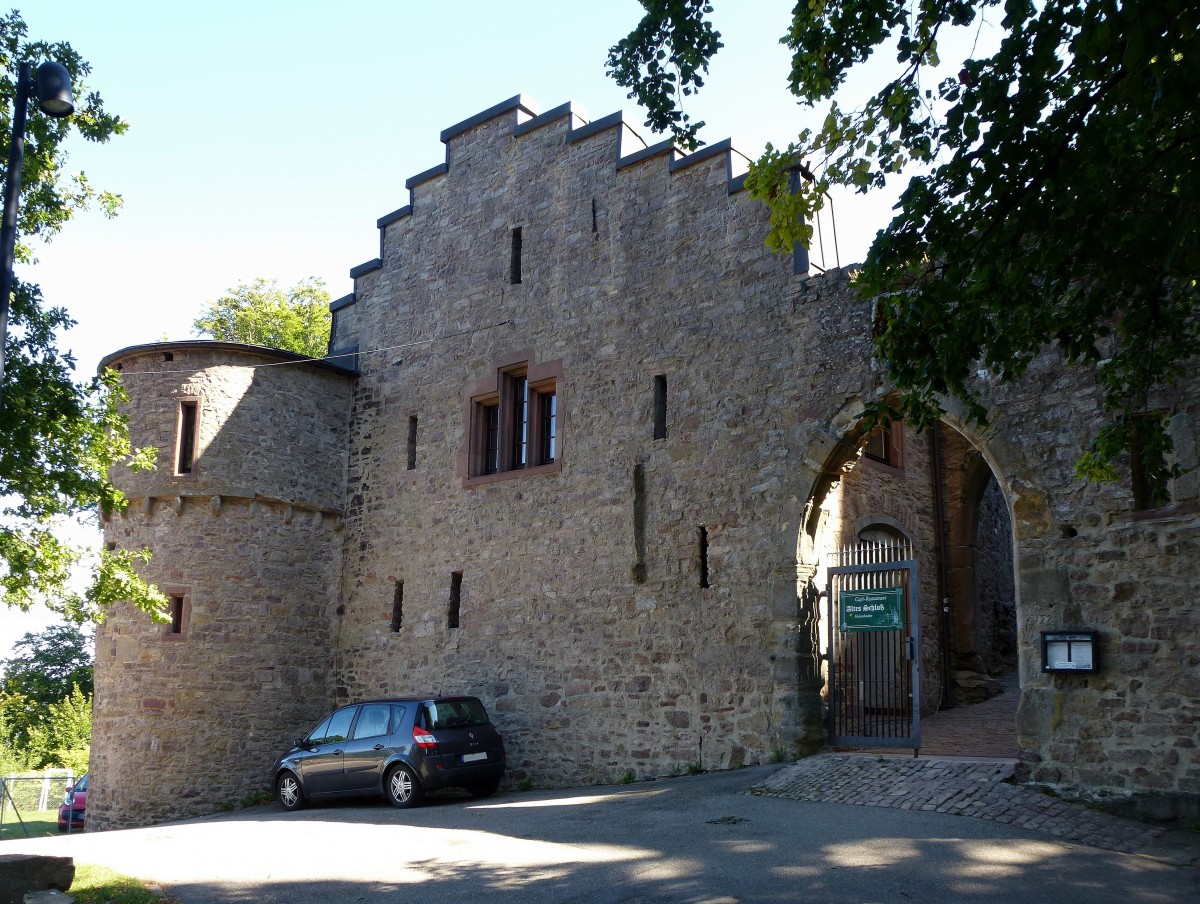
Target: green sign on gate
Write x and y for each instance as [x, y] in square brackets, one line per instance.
[871, 610]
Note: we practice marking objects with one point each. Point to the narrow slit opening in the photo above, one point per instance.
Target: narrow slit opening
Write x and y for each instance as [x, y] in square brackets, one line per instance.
[398, 607]
[412, 442]
[186, 446]
[455, 599]
[514, 264]
[660, 406]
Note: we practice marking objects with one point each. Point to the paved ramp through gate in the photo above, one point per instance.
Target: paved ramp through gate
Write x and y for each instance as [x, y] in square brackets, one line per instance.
[967, 759]
[987, 729]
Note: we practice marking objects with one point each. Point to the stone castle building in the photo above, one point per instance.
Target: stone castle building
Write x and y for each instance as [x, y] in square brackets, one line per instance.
[585, 449]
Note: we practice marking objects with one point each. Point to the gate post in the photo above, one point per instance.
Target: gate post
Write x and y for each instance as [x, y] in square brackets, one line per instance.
[810, 704]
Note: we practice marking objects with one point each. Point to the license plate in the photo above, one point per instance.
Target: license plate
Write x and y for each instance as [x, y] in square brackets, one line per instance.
[473, 757]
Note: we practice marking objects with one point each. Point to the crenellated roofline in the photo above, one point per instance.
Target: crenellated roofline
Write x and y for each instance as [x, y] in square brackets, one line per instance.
[526, 119]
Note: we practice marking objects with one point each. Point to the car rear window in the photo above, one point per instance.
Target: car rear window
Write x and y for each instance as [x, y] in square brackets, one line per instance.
[456, 713]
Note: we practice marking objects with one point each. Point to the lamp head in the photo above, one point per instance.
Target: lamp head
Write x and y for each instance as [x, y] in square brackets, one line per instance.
[53, 90]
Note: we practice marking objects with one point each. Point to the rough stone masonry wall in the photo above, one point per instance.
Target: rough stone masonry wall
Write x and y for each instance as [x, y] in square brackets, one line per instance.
[1087, 559]
[584, 625]
[632, 272]
[627, 274]
[185, 723]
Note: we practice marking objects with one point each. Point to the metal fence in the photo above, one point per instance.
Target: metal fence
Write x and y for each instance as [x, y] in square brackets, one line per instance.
[21, 796]
[874, 696]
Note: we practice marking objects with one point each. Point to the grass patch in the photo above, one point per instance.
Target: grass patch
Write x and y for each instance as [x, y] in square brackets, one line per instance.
[39, 823]
[100, 885]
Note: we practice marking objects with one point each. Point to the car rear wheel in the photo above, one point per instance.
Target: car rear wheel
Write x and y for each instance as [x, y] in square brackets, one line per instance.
[403, 789]
[287, 787]
[484, 789]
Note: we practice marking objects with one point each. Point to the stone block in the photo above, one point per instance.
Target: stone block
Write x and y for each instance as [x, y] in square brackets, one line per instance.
[52, 896]
[23, 873]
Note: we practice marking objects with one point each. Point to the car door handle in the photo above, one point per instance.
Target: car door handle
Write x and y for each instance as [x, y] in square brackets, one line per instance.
[338, 752]
[377, 747]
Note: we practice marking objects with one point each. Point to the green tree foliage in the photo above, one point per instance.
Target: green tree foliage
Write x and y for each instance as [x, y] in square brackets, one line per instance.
[58, 438]
[260, 313]
[1057, 200]
[63, 740]
[46, 699]
[44, 667]
[11, 759]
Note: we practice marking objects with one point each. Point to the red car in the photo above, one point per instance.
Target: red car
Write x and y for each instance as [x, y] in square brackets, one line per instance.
[73, 806]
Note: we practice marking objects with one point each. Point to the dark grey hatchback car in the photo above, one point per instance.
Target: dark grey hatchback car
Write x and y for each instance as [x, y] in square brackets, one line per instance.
[399, 748]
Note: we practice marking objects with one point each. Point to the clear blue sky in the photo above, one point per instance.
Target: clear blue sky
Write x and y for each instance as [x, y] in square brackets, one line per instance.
[267, 137]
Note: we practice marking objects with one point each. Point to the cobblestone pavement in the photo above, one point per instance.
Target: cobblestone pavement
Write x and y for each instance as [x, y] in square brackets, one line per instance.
[976, 788]
[967, 758]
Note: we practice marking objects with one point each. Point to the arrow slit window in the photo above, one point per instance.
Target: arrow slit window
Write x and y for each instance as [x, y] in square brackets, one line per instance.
[188, 423]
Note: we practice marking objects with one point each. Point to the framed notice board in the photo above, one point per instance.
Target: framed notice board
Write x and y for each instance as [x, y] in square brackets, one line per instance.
[1069, 651]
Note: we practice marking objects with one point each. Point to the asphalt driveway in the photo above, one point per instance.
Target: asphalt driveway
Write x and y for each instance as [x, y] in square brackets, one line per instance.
[694, 839]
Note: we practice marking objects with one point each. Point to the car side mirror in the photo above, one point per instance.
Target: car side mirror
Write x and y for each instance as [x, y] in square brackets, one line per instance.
[301, 743]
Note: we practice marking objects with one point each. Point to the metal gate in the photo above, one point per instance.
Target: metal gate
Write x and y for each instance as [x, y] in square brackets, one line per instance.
[874, 675]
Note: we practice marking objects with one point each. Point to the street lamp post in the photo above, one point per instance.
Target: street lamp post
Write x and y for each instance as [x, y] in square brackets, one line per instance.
[52, 88]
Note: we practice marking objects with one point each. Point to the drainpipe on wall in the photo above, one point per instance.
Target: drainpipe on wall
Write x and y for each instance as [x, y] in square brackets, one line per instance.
[939, 523]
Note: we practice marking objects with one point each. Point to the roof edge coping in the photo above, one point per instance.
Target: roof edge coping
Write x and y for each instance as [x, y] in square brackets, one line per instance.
[516, 102]
[432, 173]
[364, 268]
[388, 218]
[279, 355]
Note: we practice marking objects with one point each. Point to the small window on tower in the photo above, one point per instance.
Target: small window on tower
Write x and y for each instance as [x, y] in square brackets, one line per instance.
[178, 612]
[660, 406]
[185, 442]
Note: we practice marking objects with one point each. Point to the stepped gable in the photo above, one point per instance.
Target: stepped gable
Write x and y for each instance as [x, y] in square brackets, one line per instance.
[631, 150]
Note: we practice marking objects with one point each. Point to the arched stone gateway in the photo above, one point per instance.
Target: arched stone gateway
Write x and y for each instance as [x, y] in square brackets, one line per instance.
[583, 469]
[931, 492]
[1029, 549]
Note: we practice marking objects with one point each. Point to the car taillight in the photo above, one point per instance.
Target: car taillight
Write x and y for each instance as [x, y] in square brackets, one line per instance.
[424, 739]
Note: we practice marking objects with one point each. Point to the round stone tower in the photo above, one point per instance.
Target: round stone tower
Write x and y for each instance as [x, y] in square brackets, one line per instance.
[243, 518]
